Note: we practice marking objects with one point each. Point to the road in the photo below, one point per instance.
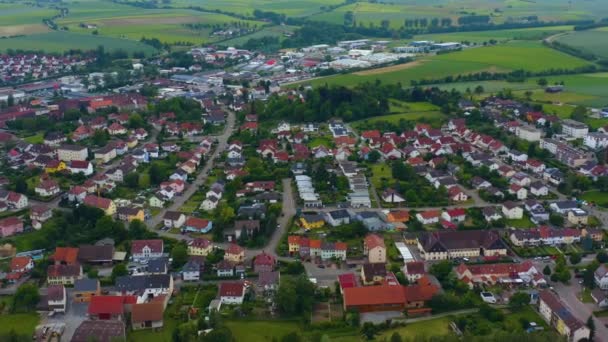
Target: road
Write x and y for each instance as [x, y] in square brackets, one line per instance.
[580, 310]
[222, 144]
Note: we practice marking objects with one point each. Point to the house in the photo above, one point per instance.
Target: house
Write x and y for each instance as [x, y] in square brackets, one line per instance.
[68, 153]
[103, 330]
[575, 129]
[105, 204]
[264, 263]
[47, 188]
[539, 189]
[490, 274]
[108, 307]
[105, 154]
[147, 315]
[373, 273]
[428, 217]
[117, 129]
[392, 196]
[19, 267]
[248, 227]
[398, 216]
[414, 270]
[338, 217]
[63, 274]
[374, 248]
[83, 167]
[544, 236]
[156, 202]
[234, 253]
[85, 289]
[389, 298]
[174, 219]
[311, 221]
[601, 277]
[456, 194]
[191, 271]
[599, 297]
[96, 254]
[512, 210]
[56, 298]
[556, 314]
[578, 216]
[146, 249]
[460, 244]
[454, 215]
[232, 293]
[197, 225]
[563, 207]
[65, 256]
[146, 288]
[224, 269]
[77, 194]
[200, 247]
[16, 200]
[518, 191]
[10, 226]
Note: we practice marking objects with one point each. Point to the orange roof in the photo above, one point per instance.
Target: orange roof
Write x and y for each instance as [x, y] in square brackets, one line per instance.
[19, 263]
[66, 255]
[398, 216]
[315, 243]
[374, 295]
[293, 239]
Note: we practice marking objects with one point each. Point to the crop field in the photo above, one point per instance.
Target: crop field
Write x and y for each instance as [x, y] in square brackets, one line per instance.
[271, 31]
[396, 11]
[517, 55]
[168, 26]
[21, 19]
[593, 41]
[536, 33]
[294, 8]
[58, 42]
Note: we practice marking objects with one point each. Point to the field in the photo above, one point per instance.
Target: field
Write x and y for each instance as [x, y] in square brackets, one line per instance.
[593, 41]
[536, 33]
[22, 19]
[271, 31]
[428, 329]
[57, 42]
[261, 331]
[295, 8]
[167, 25]
[396, 11]
[597, 197]
[530, 56]
[405, 111]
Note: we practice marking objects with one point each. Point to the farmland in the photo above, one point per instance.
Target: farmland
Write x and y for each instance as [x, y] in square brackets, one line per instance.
[21, 19]
[593, 41]
[55, 42]
[530, 56]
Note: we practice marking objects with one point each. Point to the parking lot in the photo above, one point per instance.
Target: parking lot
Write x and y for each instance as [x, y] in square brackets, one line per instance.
[74, 315]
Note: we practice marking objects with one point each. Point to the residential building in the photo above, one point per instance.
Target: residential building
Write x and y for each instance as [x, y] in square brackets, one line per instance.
[174, 219]
[234, 253]
[528, 133]
[197, 225]
[68, 153]
[556, 314]
[63, 274]
[374, 248]
[146, 249]
[460, 244]
[232, 293]
[373, 273]
[10, 226]
[200, 247]
[490, 274]
[601, 277]
[103, 330]
[56, 298]
[85, 289]
[147, 315]
[544, 236]
[414, 270]
[575, 129]
[512, 211]
[105, 204]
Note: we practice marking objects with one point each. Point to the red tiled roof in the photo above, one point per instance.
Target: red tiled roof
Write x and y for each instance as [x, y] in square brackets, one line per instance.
[67, 255]
[234, 249]
[264, 259]
[109, 305]
[373, 240]
[155, 245]
[97, 202]
[293, 239]
[19, 263]
[200, 243]
[233, 289]
[347, 280]
[197, 223]
[374, 295]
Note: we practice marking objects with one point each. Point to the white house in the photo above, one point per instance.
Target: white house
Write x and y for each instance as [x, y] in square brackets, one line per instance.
[596, 140]
[232, 293]
[174, 219]
[539, 189]
[601, 277]
[512, 211]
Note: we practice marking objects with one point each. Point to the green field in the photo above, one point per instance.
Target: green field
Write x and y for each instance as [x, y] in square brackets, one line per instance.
[428, 329]
[593, 41]
[271, 31]
[16, 19]
[261, 331]
[536, 33]
[405, 111]
[597, 197]
[63, 41]
[530, 56]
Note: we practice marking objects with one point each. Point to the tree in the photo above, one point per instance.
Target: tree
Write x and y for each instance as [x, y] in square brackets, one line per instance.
[132, 180]
[591, 326]
[21, 185]
[369, 330]
[119, 270]
[26, 298]
[547, 270]
[373, 156]
[292, 337]
[396, 337]
[575, 258]
[556, 220]
[179, 253]
[579, 113]
[286, 297]
[519, 300]
[602, 257]
[479, 90]
[542, 82]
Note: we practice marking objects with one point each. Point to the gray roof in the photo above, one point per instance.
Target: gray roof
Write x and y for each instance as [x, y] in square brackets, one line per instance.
[86, 285]
[158, 265]
[140, 283]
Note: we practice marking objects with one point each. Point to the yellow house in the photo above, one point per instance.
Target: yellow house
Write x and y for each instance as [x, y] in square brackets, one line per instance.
[578, 216]
[200, 247]
[312, 221]
[234, 253]
[373, 273]
[294, 244]
[55, 166]
[129, 214]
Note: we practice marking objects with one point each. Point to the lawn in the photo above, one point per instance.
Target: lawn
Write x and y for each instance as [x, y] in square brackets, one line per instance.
[318, 141]
[585, 296]
[535, 33]
[413, 111]
[261, 331]
[35, 139]
[17, 19]
[522, 223]
[22, 324]
[428, 329]
[380, 171]
[597, 197]
[149, 335]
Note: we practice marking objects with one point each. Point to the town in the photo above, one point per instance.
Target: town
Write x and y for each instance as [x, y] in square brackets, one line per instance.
[181, 203]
